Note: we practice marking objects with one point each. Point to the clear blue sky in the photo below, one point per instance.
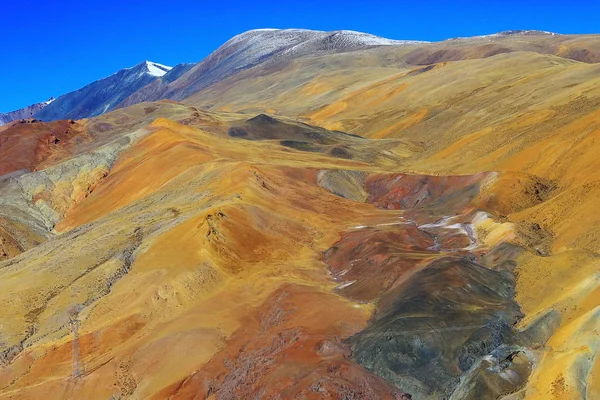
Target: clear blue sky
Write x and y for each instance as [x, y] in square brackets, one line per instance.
[50, 47]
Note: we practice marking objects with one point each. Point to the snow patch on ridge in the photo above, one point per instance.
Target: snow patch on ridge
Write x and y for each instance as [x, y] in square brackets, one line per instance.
[156, 69]
[524, 33]
[264, 40]
[515, 32]
[264, 30]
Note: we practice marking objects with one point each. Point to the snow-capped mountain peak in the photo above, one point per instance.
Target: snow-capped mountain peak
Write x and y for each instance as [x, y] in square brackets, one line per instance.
[265, 46]
[104, 94]
[156, 69]
[146, 68]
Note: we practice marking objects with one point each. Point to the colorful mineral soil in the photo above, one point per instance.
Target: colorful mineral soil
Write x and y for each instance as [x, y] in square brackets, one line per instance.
[355, 218]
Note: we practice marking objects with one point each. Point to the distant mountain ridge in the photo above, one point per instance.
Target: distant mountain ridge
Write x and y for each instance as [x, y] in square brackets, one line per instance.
[524, 32]
[150, 81]
[103, 95]
[156, 88]
[24, 113]
[260, 46]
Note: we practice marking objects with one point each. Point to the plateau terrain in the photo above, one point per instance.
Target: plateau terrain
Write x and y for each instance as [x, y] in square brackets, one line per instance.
[310, 215]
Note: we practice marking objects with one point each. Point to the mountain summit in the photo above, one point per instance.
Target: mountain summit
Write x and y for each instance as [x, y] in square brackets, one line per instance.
[103, 95]
[149, 81]
[154, 69]
[262, 46]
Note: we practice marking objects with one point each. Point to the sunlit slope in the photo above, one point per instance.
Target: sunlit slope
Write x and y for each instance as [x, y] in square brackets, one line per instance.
[212, 245]
[350, 66]
[178, 248]
[47, 168]
[518, 112]
[583, 48]
[209, 241]
[370, 95]
[222, 255]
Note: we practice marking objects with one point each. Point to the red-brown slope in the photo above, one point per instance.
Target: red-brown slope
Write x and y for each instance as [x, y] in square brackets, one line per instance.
[33, 145]
[289, 348]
